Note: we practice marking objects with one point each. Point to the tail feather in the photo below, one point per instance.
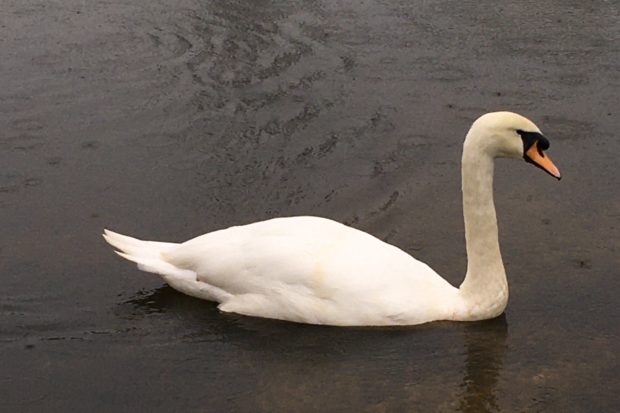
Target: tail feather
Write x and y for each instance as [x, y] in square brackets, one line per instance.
[149, 255]
[136, 246]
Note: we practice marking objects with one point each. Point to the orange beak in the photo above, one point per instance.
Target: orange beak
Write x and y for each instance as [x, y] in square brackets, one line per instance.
[538, 158]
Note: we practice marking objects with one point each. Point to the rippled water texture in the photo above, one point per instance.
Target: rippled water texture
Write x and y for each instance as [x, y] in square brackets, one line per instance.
[166, 120]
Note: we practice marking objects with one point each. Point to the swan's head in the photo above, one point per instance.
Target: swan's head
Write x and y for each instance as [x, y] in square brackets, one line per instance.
[509, 135]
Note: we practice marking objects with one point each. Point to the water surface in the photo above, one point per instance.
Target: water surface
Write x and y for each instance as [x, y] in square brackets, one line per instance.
[167, 121]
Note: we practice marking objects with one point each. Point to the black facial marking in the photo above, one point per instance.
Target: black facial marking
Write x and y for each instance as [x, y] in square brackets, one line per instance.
[529, 139]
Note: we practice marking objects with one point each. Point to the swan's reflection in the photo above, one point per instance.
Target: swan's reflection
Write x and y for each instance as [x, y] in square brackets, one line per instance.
[154, 301]
[485, 343]
[280, 366]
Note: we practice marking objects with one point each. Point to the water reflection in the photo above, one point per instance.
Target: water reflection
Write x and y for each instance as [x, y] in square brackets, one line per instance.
[485, 343]
[154, 301]
[297, 367]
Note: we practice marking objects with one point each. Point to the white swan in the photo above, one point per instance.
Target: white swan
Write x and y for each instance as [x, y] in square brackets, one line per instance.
[314, 270]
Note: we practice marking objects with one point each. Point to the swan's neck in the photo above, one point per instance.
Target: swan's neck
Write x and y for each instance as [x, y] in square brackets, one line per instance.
[484, 291]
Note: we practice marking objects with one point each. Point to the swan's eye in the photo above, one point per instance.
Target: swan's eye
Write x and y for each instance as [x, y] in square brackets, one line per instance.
[530, 138]
[543, 143]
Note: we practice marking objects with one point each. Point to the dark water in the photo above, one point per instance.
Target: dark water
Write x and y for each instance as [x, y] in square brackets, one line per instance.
[166, 120]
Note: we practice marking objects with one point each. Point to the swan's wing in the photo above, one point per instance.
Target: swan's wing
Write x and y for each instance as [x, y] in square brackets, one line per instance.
[309, 269]
[277, 252]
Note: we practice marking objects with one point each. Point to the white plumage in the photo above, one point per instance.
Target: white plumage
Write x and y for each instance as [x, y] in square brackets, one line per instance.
[315, 270]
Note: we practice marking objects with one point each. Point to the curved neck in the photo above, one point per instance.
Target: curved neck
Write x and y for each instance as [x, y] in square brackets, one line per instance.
[485, 289]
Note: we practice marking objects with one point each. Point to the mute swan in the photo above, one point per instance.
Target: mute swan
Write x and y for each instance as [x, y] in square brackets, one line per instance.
[314, 270]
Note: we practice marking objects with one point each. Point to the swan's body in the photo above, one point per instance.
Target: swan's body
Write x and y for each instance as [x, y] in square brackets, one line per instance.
[305, 269]
[315, 270]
